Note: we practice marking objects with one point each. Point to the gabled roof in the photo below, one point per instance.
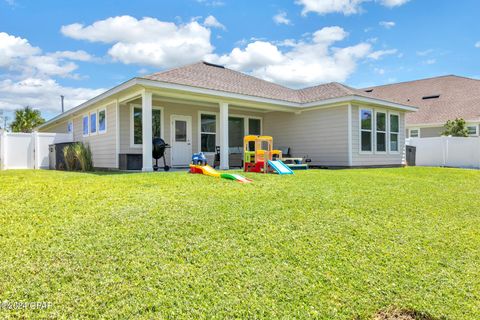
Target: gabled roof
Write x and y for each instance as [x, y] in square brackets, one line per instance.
[210, 76]
[439, 99]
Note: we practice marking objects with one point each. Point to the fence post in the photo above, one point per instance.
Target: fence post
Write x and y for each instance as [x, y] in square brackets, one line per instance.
[35, 150]
[3, 150]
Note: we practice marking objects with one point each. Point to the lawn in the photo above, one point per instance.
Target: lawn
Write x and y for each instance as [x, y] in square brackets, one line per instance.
[321, 244]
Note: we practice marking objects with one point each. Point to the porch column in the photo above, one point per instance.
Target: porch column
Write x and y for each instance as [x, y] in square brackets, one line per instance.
[224, 136]
[147, 131]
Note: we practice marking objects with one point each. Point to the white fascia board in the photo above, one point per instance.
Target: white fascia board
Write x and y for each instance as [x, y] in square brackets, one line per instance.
[353, 98]
[106, 94]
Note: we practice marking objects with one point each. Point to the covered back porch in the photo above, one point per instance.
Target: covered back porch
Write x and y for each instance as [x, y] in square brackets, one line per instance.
[189, 124]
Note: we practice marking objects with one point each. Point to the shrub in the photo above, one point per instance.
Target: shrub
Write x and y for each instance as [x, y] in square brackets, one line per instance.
[78, 156]
[83, 156]
[69, 156]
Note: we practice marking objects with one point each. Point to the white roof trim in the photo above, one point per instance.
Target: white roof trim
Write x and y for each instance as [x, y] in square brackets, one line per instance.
[223, 94]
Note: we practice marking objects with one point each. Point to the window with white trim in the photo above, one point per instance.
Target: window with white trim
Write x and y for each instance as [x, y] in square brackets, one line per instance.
[70, 126]
[136, 119]
[85, 125]
[394, 132]
[381, 131]
[208, 132]
[93, 122]
[102, 121]
[414, 133]
[366, 128]
[472, 130]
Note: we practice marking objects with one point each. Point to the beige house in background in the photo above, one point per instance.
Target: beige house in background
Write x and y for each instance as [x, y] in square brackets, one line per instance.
[439, 99]
[200, 106]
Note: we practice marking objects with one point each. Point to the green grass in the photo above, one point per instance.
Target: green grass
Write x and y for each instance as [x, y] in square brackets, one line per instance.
[323, 244]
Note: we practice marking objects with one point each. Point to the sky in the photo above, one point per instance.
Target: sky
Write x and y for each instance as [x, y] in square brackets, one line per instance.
[81, 48]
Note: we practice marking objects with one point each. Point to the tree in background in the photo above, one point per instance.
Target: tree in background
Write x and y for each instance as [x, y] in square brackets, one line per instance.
[26, 120]
[456, 128]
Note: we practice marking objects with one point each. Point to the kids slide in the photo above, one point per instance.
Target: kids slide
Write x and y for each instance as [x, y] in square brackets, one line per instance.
[279, 167]
[209, 171]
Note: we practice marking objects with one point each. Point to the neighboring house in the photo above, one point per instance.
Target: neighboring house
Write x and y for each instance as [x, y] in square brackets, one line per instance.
[439, 99]
[200, 106]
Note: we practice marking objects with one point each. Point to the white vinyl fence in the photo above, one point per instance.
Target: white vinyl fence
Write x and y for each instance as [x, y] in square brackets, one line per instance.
[28, 150]
[447, 151]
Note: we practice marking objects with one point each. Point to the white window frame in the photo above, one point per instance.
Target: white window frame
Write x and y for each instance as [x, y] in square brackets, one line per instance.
[162, 123]
[476, 129]
[98, 121]
[376, 111]
[90, 122]
[413, 129]
[217, 133]
[70, 124]
[390, 151]
[87, 115]
[372, 130]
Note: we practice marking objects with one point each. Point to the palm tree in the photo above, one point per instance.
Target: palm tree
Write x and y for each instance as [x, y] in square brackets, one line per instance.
[26, 120]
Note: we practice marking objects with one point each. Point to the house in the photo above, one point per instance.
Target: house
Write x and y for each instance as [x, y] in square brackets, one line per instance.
[439, 99]
[200, 106]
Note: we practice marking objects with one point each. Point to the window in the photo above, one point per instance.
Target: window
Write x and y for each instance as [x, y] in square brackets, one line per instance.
[366, 130]
[472, 130]
[254, 126]
[236, 132]
[70, 126]
[93, 122]
[180, 130]
[102, 121]
[156, 123]
[394, 131]
[208, 132]
[381, 131]
[136, 134]
[85, 125]
[414, 133]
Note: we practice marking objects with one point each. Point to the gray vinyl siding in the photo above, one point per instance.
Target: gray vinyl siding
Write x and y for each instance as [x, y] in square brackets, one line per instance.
[319, 134]
[103, 145]
[376, 159]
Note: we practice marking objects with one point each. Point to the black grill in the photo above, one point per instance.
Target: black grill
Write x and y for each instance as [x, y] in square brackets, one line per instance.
[158, 152]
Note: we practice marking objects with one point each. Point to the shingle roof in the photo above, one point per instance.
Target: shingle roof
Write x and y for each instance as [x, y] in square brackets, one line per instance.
[458, 97]
[209, 76]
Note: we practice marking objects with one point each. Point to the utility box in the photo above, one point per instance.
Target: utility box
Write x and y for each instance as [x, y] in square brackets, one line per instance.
[411, 155]
[55, 156]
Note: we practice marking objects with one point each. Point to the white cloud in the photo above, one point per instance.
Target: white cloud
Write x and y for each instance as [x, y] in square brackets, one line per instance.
[380, 53]
[307, 62]
[211, 21]
[29, 76]
[43, 94]
[387, 24]
[424, 52]
[379, 71]
[281, 18]
[347, 7]
[147, 41]
[430, 61]
[393, 3]
[477, 45]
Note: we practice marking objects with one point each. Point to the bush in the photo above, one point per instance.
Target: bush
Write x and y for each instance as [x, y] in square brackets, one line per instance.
[78, 156]
[69, 156]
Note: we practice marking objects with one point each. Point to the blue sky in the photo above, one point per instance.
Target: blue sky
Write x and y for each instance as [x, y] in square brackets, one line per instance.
[79, 48]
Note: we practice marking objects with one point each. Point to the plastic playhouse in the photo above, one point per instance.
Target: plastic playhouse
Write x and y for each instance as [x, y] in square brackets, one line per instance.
[199, 165]
[259, 156]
